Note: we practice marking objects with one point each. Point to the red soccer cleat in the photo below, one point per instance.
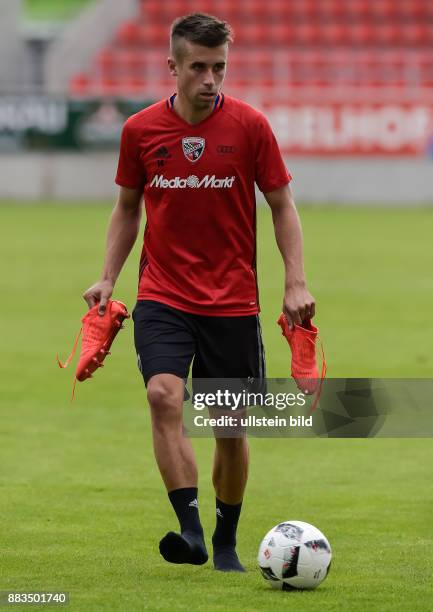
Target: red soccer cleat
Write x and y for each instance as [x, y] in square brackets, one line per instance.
[98, 333]
[302, 341]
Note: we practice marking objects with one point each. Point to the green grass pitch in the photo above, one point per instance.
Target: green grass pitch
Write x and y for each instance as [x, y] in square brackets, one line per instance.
[82, 504]
[52, 10]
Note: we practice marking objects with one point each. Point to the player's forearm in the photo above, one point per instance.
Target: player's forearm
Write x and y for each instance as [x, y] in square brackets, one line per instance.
[122, 233]
[288, 234]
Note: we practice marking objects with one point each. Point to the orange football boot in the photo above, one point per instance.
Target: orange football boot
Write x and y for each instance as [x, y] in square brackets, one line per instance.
[98, 332]
[302, 341]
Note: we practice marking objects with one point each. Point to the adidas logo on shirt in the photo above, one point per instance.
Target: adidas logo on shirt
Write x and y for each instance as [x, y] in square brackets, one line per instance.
[193, 503]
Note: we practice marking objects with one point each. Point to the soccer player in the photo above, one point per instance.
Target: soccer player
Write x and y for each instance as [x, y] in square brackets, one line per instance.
[196, 156]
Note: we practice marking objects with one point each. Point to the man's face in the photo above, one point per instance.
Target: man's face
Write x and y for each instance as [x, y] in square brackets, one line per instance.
[200, 72]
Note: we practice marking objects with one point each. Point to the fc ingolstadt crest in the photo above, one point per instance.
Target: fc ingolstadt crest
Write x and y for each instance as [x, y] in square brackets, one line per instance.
[193, 148]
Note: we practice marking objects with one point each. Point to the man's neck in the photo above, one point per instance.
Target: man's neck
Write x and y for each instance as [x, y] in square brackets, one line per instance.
[188, 114]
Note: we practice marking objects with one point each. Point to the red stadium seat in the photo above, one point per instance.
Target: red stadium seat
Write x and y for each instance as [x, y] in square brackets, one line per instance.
[80, 84]
[265, 67]
[130, 63]
[385, 10]
[107, 87]
[427, 10]
[129, 33]
[386, 33]
[106, 62]
[168, 82]
[231, 8]
[136, 84]
[248, 66]
[257, 10]
[177, 8]
[305, 33]
[370, 72]
[333, 33]
[415, 9]
[152, 10]
[309, 68]
[357, 9]
[154, 34]
[342, 68]
[330, 9]
[415, 34]
[252, 34]
[425, 65]
[235, 65]
[228, 10]
[393, 68]
[183, 7]
[305, 8]
[282, 11]
[423, 8]
[361, 34]
[279, 34]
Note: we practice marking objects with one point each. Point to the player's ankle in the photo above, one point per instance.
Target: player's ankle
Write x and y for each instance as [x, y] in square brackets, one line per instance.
[185, 504]
[219, 543]
[225, 558]
[196, 531]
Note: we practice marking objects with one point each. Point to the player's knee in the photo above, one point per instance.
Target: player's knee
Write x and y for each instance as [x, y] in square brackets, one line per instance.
[160, 397]
[163, 399]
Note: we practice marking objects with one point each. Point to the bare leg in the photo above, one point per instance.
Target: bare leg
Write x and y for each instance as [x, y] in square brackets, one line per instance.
[230, 469]
[230, 474]
[173, 451]
[176, 462]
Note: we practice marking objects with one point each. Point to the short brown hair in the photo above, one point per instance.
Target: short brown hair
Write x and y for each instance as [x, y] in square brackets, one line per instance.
[201, 29]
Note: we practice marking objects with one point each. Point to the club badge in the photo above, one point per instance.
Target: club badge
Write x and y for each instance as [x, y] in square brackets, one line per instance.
[193, 148]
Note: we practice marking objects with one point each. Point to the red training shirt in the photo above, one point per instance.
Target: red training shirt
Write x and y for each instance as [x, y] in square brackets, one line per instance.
[199, 251]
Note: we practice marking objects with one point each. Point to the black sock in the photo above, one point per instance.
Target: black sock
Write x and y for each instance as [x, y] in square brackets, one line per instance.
[185, 504]
[227, 517]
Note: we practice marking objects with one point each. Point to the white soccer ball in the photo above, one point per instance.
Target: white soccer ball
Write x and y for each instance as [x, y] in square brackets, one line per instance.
[294, 555]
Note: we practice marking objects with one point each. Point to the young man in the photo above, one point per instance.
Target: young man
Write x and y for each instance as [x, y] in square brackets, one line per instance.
[196, 157]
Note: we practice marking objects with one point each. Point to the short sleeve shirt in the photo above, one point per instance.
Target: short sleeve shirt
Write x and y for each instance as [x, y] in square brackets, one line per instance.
[199, 250]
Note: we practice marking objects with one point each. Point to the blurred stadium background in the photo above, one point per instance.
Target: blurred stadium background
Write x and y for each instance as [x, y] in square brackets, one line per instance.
[347, 86]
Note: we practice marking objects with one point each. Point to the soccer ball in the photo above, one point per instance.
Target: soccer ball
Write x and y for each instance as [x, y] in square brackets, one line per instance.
[294, 555]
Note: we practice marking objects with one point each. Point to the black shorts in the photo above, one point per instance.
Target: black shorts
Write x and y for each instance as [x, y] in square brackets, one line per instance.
[168, 340]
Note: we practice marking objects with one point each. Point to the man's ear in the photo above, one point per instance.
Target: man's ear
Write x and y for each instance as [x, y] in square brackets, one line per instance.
[172, 66]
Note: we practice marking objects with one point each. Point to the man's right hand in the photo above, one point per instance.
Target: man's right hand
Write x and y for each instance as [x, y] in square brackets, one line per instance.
[100, 293]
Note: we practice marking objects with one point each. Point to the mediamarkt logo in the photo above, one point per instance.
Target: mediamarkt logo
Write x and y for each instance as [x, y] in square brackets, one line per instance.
[192, 181]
